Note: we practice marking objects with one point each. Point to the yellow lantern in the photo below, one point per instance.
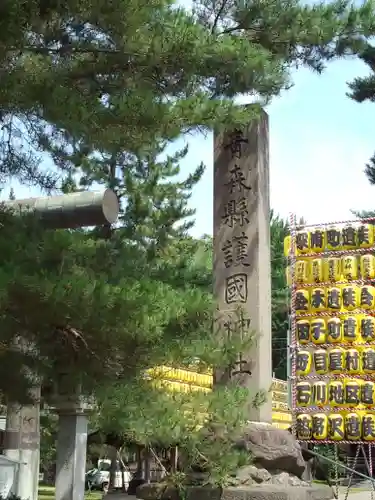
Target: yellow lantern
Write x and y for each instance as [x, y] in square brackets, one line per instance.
[318, 300]
[368, 360]
[333, 238]
[367, 297]
[320, 361]
[352, 392]
[368, 393]
[303, 393]
[367, 264]
[349, 237]
[367, 328]
[304, 426]
[209, 380]
[320, 426]
[350, 328]
[303, 331]
[317, 270]
[318, 331]
[368, 427]
[317, 240]
[303, 241]
[350, 297]
[336, 428]
[334, 330]
[302, 271]
[319, 394]
[336, 360]
[336, 393]
[332, 269]
[352, 361]
[334, 298]
[303, 362]
[349, 266]
[302, 301]
[365, 235]
[352, 426]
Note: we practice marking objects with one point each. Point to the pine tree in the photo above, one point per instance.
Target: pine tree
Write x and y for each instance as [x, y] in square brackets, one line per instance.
[363, 89]
[154, 204]
[125, 76]
[97, 309]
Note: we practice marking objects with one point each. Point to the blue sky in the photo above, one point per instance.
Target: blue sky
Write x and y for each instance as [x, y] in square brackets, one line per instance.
[320, 141]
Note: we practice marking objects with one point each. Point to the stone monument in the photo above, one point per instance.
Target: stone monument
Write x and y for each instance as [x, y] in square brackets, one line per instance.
[242, 261]
[242, 282]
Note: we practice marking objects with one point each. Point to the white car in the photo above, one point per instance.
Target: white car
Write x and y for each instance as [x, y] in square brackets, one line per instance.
[98, 478]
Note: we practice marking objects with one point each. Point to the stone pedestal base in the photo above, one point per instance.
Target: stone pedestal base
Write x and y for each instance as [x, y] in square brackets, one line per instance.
[72, 410]
[255, 492]
[275, 492]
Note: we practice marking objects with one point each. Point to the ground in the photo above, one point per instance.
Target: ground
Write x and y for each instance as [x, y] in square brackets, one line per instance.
[48, 493]
[354, 495]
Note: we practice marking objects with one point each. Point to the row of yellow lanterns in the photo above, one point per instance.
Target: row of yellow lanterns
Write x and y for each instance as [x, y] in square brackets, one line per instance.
[176, 376]
[331, 238]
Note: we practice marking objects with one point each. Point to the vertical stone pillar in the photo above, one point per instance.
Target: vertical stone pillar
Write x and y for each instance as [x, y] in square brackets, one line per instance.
[72, 409]
[22, 440]
[71, 455]
[242, 267]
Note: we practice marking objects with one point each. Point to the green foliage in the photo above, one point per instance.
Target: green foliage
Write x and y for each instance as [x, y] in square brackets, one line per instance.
[157, 418]
[327, 468]
[48, 436]
[90, 306]
[363, 89]
[364, 214]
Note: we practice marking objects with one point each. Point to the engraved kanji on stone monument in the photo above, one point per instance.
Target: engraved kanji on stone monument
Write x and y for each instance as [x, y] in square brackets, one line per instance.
[235, 323]
[242, 283]
[235, 251]
[236, 140]
[236, 289]
[236, 213]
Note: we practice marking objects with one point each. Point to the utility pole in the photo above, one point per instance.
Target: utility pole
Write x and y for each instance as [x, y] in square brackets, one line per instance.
[22, 437]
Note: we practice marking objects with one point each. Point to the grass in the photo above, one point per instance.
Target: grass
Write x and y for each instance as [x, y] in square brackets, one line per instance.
[48, 493]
